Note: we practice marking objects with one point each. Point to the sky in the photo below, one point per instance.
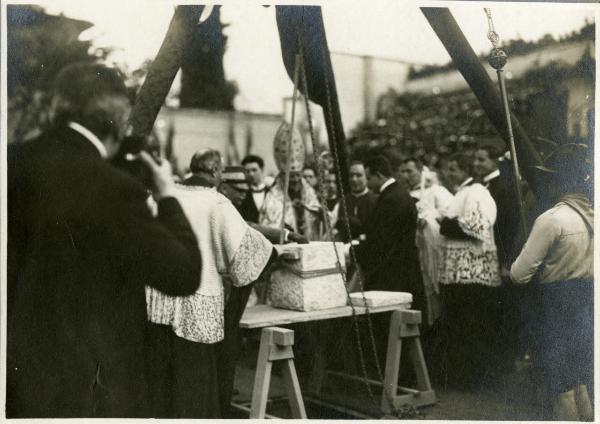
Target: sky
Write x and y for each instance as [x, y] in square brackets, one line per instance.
[381, 28]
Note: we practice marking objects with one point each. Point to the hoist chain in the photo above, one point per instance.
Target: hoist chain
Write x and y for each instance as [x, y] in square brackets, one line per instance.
[492, 35]
[344, 211]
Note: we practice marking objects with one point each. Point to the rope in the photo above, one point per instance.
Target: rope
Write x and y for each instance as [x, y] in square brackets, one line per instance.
[288, 163]
[344, 209]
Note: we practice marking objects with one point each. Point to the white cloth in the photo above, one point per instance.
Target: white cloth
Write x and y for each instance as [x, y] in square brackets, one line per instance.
[474, 260]
[230, 249]
[433, 201]
[489, 177]
[258, 194]
[90, 136]
[560, 246]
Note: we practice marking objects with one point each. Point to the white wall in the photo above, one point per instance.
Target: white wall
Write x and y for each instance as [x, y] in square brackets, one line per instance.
[196, 129]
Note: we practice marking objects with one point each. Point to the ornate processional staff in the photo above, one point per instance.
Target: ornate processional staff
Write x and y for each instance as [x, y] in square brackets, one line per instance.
[497, 60]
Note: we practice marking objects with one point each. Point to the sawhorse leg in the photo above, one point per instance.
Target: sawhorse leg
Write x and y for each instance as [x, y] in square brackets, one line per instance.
[404, 327]
[276, 345]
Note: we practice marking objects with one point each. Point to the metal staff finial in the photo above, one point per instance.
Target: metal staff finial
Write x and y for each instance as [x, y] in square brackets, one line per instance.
[498, 60]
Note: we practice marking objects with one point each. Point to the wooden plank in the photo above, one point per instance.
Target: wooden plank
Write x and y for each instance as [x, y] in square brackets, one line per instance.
[246, 409]
[265, 316]
[409, 330]
[378, 309]
[279, 353]
[292, 387]
[260, 316]
[262, 378]
[411, 317]
[418, 360]
[392, 362]
[283, 337]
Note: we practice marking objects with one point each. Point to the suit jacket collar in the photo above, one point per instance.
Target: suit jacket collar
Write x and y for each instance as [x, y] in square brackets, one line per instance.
[197, 180]
[68, 137]
[489, 177]
[90, 136]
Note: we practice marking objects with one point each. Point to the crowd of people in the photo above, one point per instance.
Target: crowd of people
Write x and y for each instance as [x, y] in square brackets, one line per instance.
[125, 304]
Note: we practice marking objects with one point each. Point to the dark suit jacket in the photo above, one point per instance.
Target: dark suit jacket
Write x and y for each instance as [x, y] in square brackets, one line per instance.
[359, 211]
[389, 257]
[82, 244]
[506, 228]
[248, 209]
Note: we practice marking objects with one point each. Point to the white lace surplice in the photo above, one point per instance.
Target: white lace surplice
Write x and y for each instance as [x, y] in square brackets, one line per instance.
[432, 201]
[229, 248]
[471, 261]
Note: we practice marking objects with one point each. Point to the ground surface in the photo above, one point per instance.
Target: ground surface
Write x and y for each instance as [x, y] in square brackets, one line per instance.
[513, 397]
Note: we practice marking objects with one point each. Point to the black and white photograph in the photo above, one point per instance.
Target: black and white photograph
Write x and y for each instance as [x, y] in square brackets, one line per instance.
[328, 210]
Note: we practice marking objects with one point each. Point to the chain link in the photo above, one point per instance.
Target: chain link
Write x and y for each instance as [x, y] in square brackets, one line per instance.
[492, 35]
[344, 211]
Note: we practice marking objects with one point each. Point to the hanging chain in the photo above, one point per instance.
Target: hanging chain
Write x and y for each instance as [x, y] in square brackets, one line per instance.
[347, 228]
[492, 35]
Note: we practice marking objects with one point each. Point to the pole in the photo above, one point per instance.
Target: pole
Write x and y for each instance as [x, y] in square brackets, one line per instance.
[513, 151]
[163, 70]
[288, 163]
[467, 62]
[497, 60]
[306, 23]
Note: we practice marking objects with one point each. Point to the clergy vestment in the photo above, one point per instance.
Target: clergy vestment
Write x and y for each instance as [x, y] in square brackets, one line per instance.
[232, 251]
[431, 203]
[470, 280]
[303, 217]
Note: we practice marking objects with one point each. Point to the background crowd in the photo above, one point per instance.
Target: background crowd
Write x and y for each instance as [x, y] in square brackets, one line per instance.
[125, 289]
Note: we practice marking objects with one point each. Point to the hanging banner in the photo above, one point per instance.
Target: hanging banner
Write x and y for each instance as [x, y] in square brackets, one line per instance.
[302, 27]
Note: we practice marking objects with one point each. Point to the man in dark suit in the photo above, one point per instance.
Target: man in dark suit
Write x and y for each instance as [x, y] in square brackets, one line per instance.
[250, 208]
[496, 174]
[359, 203]
[486, 170]
[388, 256]
[82, 244]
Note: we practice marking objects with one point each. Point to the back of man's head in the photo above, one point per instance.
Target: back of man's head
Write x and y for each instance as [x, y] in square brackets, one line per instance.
[412, 159]
[379, 165]
[494, 151]
[463, 160]
[93, 95]
[206, 161]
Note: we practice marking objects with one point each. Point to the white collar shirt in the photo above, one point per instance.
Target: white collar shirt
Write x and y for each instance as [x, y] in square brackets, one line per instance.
[489, 177]
[90, 136]
[386, 184]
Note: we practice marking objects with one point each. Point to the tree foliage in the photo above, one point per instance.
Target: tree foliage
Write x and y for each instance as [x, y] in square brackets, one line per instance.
[203, 83]
[38, 46]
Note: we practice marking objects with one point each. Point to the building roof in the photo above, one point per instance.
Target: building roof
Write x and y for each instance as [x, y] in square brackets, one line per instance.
[565, 55]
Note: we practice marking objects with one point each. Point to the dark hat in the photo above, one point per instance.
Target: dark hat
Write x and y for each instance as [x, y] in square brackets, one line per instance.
[235, 176]
[566, 158]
